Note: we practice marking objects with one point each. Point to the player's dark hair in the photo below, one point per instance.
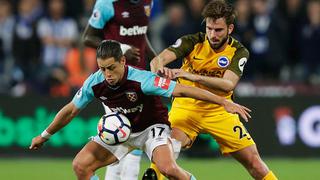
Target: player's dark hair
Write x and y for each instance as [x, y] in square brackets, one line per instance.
[108, 49]
[219, 9]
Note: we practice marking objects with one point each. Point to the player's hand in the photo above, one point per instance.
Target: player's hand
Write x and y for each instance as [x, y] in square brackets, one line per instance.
[132, 56]
[166, 73]
[232, 107]
[183, 74]
[37, 142]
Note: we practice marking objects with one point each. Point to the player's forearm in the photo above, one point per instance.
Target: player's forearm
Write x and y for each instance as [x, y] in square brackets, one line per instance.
[63, 117]
[215, 83]
[92, 41]
[164, 58]
[92, 37]
[197, 93]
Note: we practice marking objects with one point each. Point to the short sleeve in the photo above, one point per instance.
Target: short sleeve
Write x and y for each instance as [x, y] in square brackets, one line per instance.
[85, 94]
[151, 84]
[102, 12]
[185, 45]
[239, 61]
[156, 85]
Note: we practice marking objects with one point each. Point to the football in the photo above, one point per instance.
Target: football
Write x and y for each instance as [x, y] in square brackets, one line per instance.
[114, 128]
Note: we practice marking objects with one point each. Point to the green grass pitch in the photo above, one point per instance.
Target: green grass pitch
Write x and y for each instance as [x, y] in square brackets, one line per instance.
[203, 169]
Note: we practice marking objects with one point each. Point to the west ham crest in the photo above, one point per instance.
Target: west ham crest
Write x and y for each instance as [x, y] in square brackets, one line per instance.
[132, 96]
[147, 10]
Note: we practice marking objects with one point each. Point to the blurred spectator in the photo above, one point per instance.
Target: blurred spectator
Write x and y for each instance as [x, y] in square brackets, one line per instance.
[86, 13]
[80, 62]
[194, 15]
[6, 27]
[175, 28]
[242, 31]
[282, 41]
[267, 45]
[38, 9]
[156, 8]
[176, 25]
[309, 45]
[57, 34]
[292, 11]
[26, 48]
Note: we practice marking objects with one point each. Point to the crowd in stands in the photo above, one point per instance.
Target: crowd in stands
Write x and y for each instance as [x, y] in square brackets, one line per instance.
[41, 50]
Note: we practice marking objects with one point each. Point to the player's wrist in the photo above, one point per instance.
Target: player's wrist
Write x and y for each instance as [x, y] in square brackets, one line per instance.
[45, 134]
[223, 101]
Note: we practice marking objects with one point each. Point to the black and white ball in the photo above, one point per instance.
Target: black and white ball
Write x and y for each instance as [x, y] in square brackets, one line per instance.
[114, 128]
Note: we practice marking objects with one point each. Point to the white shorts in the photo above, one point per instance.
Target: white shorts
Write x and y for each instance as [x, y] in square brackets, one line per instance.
[147, 140]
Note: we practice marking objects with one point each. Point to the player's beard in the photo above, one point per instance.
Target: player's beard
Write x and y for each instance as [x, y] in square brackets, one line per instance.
[218, 46]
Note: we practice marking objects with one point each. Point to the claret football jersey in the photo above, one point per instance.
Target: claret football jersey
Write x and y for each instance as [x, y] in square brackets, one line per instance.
[123, 21]
[137, 96]
[199, 58]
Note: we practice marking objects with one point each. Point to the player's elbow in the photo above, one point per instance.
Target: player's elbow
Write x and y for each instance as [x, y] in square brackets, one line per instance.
[86, 40]
[183, 91]
[227, 87]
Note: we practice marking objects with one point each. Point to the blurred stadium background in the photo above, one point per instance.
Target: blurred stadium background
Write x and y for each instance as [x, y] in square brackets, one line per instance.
[281, 84]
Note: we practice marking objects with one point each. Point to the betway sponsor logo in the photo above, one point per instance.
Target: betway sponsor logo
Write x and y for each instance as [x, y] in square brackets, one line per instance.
[126, 111]
[133, 31]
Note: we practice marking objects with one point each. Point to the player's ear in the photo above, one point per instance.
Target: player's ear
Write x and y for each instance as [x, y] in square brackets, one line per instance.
[230, 28]
[123, 60]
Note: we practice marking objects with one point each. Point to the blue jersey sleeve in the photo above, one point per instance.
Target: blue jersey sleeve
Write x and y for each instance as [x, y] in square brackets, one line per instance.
[85, 94]
[151, 84]
[103, 11]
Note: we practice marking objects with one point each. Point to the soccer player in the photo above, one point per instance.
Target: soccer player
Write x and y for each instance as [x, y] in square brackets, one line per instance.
[213, 61]
[125, 21]
[111, 84]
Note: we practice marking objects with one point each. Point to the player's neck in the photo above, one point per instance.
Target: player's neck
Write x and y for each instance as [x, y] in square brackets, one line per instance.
[223, 47]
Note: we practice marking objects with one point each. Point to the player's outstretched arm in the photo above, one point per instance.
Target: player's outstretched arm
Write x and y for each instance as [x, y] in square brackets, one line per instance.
[157, 64]
[204, 95]
[92, 37]
[63, 117]
[226, 84]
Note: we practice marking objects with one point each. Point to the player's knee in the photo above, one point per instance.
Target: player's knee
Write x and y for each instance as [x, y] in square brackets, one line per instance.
[257, 166]
[79, 168]
[168, 169]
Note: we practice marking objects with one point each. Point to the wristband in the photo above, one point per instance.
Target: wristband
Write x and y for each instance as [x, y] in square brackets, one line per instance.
[124, 47]
[45, 134]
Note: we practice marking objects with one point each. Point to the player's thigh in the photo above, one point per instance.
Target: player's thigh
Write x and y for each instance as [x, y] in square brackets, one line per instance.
[155, 136]
[163, 157]
[186, 121]
[94, 156]
[229, 132]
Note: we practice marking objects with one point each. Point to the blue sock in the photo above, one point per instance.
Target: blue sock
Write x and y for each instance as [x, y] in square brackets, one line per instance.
[94, 177]
[192, 177]
[136, 152]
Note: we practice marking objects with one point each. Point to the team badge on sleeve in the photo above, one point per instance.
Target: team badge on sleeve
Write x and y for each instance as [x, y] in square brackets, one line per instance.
[177, 43]
[161, 82]
[223, 61]
[96, 14]
[242, 62]
[132, 96]
[147, 10]
[79, 93]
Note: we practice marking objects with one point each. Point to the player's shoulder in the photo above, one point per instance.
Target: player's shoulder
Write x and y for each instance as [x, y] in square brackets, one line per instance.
[139, 75]
[240, 48]
[105, 4]
[199, 37]
[106, 1]
[94, 79]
